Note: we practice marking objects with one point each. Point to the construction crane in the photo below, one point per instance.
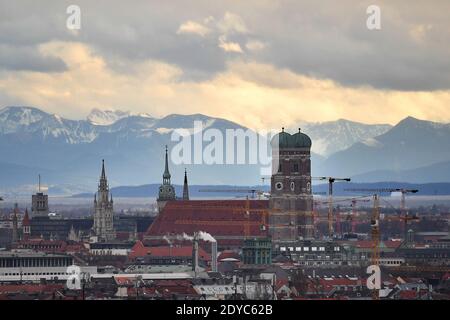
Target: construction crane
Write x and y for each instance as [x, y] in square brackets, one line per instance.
[338, 217]
[354, 213]
[253, 192]
[403, 212]
[331, 180]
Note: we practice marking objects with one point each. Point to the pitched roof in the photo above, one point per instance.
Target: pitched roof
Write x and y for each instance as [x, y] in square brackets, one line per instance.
[383, 244]
[222, 218]
[139, 250]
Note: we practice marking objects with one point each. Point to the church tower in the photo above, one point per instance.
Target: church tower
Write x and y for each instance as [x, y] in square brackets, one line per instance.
[185, 187]
[103, 210]
[291, 198]
[166, 190]
[39, 203]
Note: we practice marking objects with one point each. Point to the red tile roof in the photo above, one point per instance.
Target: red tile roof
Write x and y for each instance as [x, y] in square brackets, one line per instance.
[408, 294]
[220, 218]
[29, 288]
[139, 250]
[367, 244]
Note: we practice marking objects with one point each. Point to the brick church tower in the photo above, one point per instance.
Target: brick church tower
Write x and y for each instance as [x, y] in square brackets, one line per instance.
[291, 197]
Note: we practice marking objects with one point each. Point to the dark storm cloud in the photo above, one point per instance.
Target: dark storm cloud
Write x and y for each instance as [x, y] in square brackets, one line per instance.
[325, 39]
[28, 59]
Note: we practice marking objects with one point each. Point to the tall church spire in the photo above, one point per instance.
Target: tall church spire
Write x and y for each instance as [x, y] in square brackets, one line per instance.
[103, 170]
[166, 190]
[185, 187]
[166, 175]
[103, 209]
[103, 185]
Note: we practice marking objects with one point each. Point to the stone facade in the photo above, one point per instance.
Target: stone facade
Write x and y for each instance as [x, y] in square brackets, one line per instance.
[166, 190]
[103, 210]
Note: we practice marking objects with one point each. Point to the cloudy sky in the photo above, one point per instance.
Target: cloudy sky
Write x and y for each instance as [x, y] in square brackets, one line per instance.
[260, 63]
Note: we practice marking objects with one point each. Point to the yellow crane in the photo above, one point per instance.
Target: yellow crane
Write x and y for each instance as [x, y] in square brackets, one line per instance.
[331, 180]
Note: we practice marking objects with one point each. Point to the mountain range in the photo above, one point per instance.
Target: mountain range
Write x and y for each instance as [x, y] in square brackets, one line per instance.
[67, 153]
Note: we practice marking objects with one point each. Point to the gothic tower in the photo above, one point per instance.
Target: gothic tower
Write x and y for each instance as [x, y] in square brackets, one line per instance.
[166, 190]
[103, 210]
[185, 187]
[291, 198]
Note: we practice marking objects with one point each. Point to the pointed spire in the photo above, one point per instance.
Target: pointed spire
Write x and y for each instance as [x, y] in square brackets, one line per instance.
[103, 170]
[111, 198]
[185, 187]
[103, 185]
[166, 175]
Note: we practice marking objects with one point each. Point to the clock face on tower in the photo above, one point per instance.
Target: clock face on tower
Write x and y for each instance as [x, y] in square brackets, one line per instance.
[279, 186]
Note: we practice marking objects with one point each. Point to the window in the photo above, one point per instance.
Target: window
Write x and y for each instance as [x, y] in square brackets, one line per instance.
[313, 248]
[321, 248]
[305, 248]
[295, 169]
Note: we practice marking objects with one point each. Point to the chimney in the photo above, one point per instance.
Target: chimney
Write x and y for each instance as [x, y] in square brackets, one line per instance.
[195, 253]
[214, 256]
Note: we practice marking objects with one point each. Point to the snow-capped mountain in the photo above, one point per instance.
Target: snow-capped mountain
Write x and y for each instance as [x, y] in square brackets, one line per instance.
[106, 117]
[333, 136]
[410, 144]
[69, 151]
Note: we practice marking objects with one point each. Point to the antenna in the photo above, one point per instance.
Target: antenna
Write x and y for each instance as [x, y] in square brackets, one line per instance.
[39, 179]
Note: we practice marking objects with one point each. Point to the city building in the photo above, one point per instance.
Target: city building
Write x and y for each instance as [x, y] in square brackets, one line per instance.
[39, 203]
[257, 251]
[291, 199]
[27, 265]
[166, 190]
[103, 210]
[226, 220]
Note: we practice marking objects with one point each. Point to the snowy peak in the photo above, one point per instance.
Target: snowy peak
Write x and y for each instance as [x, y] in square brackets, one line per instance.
[333, 136]
[106, 117]
[21, 116]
